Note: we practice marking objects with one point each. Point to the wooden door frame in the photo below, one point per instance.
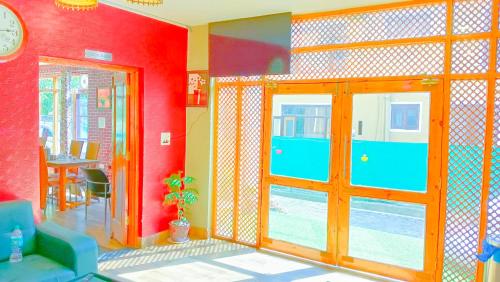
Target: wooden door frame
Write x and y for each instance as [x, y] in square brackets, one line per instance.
[134, 129]
[330, 187]
[431, 199]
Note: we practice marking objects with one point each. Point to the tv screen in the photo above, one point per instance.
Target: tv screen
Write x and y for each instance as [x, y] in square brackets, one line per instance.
[251, 46]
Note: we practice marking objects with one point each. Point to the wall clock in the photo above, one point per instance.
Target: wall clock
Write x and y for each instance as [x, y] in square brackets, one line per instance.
[12, 33]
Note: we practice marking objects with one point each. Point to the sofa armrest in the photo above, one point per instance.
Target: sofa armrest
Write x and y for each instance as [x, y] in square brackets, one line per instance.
[71, 249]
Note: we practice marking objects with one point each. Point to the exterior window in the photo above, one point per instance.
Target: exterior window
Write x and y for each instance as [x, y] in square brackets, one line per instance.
[405, 116]
[48, 92]
[304, 121]
[82, 117]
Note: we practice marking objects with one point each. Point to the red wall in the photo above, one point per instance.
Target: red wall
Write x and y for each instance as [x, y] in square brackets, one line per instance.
[157, 48]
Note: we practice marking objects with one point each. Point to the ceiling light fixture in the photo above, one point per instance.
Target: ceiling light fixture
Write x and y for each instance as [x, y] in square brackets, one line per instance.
[77, 5]
[146, 2]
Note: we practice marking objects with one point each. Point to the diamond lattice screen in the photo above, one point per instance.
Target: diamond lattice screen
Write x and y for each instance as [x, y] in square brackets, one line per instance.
[470, 56]
[493, 226]
[471, 16]
[465, 166]
[367, 62]
[226, 150]
[249, 172]
[410, 22]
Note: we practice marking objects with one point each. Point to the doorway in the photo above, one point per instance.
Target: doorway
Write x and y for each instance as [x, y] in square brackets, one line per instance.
[89, 113]
[351, 174]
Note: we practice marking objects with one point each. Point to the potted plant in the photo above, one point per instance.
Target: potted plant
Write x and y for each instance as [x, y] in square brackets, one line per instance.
[182, 194]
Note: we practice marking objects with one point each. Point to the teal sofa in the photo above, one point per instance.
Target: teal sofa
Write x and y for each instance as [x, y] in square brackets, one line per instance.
[51, 252]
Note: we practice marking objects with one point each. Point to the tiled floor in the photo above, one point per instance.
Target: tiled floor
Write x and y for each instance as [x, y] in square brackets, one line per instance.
[197, 261]
[74, 219]
[218, 261]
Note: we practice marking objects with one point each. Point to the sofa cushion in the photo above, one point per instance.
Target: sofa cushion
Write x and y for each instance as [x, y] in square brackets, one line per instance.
[34, 268]
[14, 213]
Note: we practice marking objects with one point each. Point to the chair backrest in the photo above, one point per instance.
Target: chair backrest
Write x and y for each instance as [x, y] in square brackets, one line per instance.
[75, 148]
[92, 151]
[44, 178]
[14, 213]
[97, 180]
[43, 141]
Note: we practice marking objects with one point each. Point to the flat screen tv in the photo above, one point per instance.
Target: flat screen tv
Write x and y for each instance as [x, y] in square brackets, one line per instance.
[251, 46]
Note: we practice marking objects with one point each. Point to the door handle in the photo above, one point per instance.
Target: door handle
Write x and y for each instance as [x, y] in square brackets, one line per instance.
[345, 156]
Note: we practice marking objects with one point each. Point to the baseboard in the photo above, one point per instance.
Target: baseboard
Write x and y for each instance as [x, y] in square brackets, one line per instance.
[199, 233]
[161, 238]
[155, 239]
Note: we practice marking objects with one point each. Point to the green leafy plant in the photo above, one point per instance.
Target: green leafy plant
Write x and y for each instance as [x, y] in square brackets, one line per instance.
[180, 193]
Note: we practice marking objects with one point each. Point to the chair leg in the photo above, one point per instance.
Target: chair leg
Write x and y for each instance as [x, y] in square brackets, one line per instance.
[86, 200]
[105, 210]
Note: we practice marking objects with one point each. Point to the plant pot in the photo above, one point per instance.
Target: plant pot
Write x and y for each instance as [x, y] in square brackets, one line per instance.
[179, 230]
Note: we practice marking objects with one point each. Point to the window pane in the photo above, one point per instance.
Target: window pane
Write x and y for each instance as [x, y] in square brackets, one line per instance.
[390, 138]
[301, 136]
[387, 232]
[45, 83]
[83, 105]
[75, 82]
[298, 216]
[83, 128]
[405, 116]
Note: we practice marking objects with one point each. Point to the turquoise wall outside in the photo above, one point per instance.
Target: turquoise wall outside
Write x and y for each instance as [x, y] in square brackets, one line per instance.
[391, 165]
[306, 158]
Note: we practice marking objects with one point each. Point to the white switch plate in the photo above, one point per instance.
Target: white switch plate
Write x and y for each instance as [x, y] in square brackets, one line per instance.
[101, 121]
[165, 139]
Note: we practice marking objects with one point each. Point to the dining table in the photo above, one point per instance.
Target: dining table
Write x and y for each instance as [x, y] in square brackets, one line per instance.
[62, 165]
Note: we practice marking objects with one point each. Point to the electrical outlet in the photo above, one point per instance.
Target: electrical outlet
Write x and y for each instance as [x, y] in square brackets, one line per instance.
[165, 138]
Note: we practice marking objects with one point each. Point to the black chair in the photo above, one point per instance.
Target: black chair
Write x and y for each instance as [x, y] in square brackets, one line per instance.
[97, 185]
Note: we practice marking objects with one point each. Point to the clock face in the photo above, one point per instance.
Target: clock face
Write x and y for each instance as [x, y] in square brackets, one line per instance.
[11, 32]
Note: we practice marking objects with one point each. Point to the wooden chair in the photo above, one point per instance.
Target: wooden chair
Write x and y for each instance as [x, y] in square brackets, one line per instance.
[46, 181]
[75, 149]
[93, 151]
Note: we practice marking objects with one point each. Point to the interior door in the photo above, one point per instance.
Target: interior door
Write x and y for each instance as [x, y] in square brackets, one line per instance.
[390, 178]
[300, 179]
[119, 211]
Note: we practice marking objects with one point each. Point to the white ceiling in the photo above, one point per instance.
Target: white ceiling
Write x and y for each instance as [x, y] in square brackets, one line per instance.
[198, 12]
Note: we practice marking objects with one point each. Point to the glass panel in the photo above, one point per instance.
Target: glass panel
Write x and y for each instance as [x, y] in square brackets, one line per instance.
[298, 216]
[301, 136]
[83, 128]
[387, 232]
[390, 138]
[120, 153]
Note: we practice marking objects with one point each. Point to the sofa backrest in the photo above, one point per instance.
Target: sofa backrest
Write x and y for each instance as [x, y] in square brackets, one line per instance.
[14, 213]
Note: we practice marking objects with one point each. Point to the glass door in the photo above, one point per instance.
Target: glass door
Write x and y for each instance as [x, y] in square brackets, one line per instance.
[390, 178]
[120, 157]
[299, 193]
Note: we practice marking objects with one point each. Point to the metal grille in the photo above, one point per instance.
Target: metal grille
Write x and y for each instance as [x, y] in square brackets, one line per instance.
[471, 16]
[367, 62]
[493, 226]
[249, 172]
[410, 22]
[465, 163]
[226, 150]
[470, 56]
